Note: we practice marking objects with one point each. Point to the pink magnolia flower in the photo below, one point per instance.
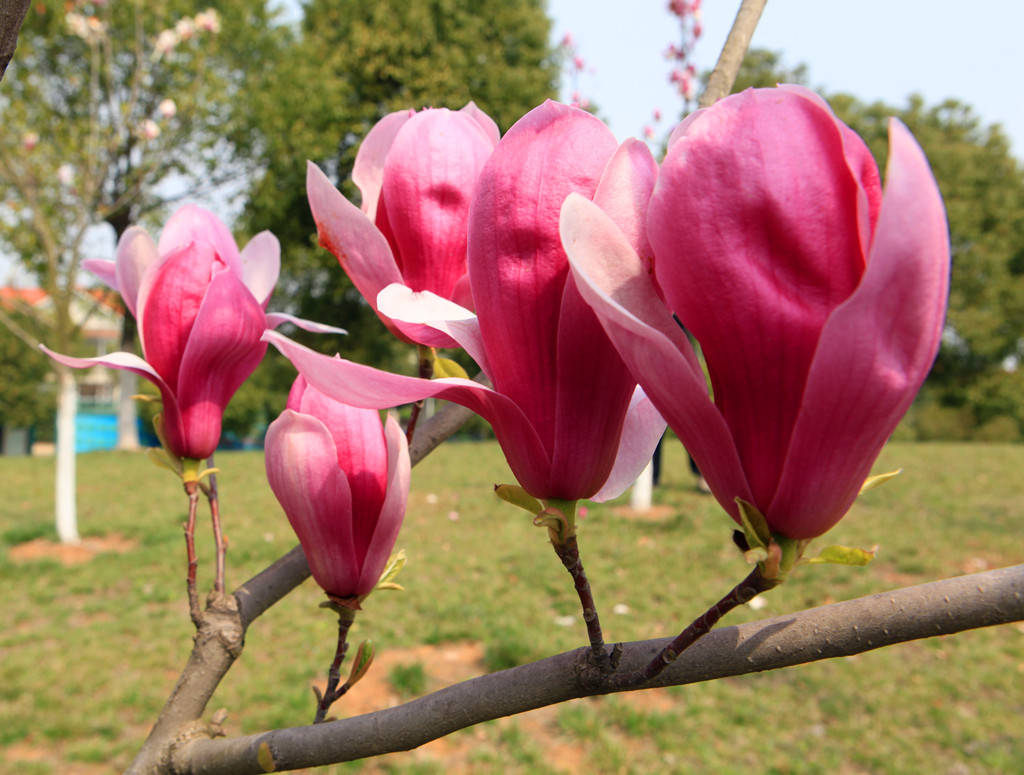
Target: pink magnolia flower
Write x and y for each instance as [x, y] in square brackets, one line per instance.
[342, 479]
[200, 305]
[562, 398]
[818, 300]
[416, 172]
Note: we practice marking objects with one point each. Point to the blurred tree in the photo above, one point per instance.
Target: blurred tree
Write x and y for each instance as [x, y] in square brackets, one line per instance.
[22, 372]
[354, 62]
[111, 111]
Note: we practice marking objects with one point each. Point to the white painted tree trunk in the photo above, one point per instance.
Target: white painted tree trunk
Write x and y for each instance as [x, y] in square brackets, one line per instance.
[67, 410]
[127, 427]
[643, 487]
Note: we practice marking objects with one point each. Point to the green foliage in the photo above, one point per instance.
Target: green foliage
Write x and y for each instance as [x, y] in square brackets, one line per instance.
[22, 371]
[353, 62]
[490, 577]
[409, 680]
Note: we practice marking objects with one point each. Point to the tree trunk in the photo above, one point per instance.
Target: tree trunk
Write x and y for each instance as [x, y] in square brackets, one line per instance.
[67, 412]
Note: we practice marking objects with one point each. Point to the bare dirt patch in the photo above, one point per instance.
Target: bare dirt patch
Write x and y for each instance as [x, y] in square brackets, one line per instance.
[71, 554]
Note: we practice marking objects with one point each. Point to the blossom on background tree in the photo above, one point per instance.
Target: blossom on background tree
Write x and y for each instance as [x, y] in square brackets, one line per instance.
[200, 303]
[817, 299]
[416, 173]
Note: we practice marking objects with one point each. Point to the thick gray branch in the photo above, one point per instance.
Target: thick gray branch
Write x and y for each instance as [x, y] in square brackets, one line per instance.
[221, 636]
[12, 14]
[841, 629]
[735, 49]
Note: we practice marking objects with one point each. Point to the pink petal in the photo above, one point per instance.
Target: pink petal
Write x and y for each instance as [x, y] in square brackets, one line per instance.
[174, 291]
[303, 472]
[345, 230]
[364, 386]
[194, 224]
[136, 253]
[432, 321]
[105, 270]
[392, 513]
[485, 122]
[516, 263]
[617, 284]
[261, 266]
[429, 175]
[275, 319]
[756, 216]
[875, 351]
[641, 432]
[223, 349]
[133, 363]
[593, 392]
[368, 170]
[625, 191]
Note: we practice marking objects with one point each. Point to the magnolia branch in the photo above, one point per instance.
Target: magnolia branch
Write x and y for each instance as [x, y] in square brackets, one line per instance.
[735, 49]
[222, 626]
[837, 630]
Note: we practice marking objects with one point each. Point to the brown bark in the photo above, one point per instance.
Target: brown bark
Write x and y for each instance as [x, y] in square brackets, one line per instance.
[12, 14]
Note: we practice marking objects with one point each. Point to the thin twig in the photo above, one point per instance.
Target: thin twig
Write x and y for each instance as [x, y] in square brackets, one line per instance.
[568, 552]
[733, 52]
[332, 693]
[753, 585]
[426, 359]
[192, 490]
[218, 535]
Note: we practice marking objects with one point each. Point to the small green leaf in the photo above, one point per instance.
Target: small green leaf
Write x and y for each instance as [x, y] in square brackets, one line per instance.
[755, 526]
[361, 662]
[160, 458]
[395, 564]
[843, 555]
[517, 496]
[446, 367]
[877, 481]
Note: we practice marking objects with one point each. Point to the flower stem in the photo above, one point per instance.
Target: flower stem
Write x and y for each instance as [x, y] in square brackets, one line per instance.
[218, 535]
[568, 552]
[333, 692]
[426, 357]
[753, 585]
[192, 490]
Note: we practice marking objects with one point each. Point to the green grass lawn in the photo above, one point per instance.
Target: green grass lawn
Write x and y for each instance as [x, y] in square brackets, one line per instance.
[89, 651]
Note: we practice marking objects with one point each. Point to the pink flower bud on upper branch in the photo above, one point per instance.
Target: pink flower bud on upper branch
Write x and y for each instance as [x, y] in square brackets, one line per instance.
[416, 173]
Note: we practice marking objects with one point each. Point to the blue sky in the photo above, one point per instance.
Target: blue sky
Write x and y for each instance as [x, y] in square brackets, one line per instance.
[873, 49]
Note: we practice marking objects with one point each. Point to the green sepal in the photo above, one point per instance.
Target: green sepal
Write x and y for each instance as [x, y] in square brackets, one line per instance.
[559, 517]
[755, 526]
[843, 555]
[361, 662]
[446, 367]
[878, 480]
[517, 496]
